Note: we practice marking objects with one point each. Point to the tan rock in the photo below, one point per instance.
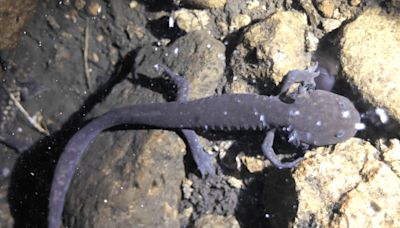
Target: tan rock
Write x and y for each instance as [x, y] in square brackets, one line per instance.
[239, 86]
[373, 203]
[391, 155]
[253, 4]
[94, 8]
[80, 4]
[207, 64]
[311, 12]
[205, 4]
[370, 58]
[204, 54]
[133, 4]
[253, 164]
[327, 7]
[14, 15]
[239, 21]
[331, 24]
[216, 221]
[324, 176]
[280, 40]
[355, 2]
[129, 191]
[234, 182]
[349, 183]
[191, 20]
[135, 32]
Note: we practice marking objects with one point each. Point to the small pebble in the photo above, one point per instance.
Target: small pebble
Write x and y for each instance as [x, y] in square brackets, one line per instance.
[133, 4]
[94, 8]
[80, 4]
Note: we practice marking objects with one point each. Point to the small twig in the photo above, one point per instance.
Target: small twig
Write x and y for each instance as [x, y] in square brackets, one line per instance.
[33, 120]
[85, 56]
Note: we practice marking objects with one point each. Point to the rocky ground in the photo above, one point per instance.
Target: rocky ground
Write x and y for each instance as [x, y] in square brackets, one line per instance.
[66, 62]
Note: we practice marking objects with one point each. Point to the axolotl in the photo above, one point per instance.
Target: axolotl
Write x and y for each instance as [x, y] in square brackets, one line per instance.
[311, 117]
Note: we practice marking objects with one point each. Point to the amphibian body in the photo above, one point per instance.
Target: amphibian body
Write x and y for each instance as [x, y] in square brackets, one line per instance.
[314, 117]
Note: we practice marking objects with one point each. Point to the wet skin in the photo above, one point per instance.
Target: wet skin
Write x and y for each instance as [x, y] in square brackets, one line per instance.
[315, 117]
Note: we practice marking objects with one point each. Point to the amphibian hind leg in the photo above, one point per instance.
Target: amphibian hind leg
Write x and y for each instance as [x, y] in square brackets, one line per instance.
[269, 153]
[203, 160]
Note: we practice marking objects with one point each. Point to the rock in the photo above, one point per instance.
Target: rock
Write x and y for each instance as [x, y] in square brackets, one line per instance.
[372, 62]
[239, 21]
[234, 182]
[270, 40]
[191, 20]
[80, 4]
[355, 2]
[133, 4]
[327, 7]
[214, 196]
[14, 15]
[204, 54]
[347, 184]
[239, 85]
[391, 155]
[94, 8]
[135, 32]
[373, 203]
[395, 3]
[53, 23]
[205, 4]
[118, 184]
[216, 221]
[311, 42]
[253, 164]
[253, 4]
[136, 179]
[331, 24]
[330, 13]
[311, 12]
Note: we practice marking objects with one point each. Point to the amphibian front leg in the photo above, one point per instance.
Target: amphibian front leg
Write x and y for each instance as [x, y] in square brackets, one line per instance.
[269, 153]
[306, 77]
[14, 143]
[203, 160]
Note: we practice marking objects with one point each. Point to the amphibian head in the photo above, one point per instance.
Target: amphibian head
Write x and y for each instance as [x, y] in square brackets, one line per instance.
[322, 118]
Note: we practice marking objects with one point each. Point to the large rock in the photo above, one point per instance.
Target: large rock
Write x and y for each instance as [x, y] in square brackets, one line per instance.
[14, 14]
[134, 177]
[347, 185]
[279, 41]
[370, 58]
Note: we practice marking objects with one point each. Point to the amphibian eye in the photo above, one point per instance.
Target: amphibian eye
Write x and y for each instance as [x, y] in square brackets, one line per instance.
[342, 105]
[339, 134]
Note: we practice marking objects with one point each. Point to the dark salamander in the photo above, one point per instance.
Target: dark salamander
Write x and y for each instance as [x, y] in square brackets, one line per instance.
[315, 117]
